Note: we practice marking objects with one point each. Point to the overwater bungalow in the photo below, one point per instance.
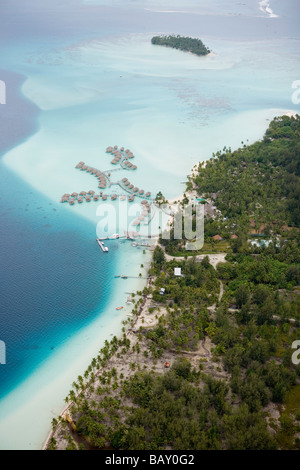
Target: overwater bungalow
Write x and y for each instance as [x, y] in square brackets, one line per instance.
[116, 147]
[83, 168]
[96, 197]
[124, 180]
[127, 183]
[131, 198]
[67, 195]
[122, 197]
[133, 167]
[71, 201]
[80, 199]
[82, 193]
[114, 196]
[130, 186]
[141, 191]
[88, 198]
[91, 191]
[79, 165]
[148, 194]
[104, 197]
[135, 190]
[109, 149]
[64, 199]
[74, 194]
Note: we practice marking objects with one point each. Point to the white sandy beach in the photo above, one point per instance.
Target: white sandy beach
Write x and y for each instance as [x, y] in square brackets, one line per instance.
[52, 381]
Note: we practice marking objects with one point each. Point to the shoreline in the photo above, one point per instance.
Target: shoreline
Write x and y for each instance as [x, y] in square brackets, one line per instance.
[144, 318]
[137, 323]
[90, 356]
[143, 309]
[141, 316]
[50, 380]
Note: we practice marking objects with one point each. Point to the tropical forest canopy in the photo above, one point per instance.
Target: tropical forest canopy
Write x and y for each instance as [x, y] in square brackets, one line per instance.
[260, 180]
[182, 43]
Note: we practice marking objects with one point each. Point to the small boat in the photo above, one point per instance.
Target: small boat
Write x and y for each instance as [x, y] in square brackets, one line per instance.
[124, 277]
[119, 308]
[117, 276]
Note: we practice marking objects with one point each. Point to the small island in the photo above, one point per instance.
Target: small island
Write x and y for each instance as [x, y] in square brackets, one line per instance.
[182, 43]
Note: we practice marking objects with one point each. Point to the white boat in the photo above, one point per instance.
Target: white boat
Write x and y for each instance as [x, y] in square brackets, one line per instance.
[101, 244]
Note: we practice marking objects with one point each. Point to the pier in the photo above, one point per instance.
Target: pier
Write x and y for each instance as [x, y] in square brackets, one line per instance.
[101, 244]
[132, 277]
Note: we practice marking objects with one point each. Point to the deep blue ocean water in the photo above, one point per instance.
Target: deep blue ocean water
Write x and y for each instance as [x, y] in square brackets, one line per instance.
[53, 278]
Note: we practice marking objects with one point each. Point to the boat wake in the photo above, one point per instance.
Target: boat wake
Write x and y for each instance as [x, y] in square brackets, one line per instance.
[264, 6]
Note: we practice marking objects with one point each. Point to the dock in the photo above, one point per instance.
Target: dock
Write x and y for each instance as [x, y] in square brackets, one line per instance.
[115, 236]
[101, 244]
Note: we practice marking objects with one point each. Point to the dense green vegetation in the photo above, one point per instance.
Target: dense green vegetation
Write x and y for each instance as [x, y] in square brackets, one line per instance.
[230, 383]
[182, 43]
[255, 190]
[259, 181]
[171, 410]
